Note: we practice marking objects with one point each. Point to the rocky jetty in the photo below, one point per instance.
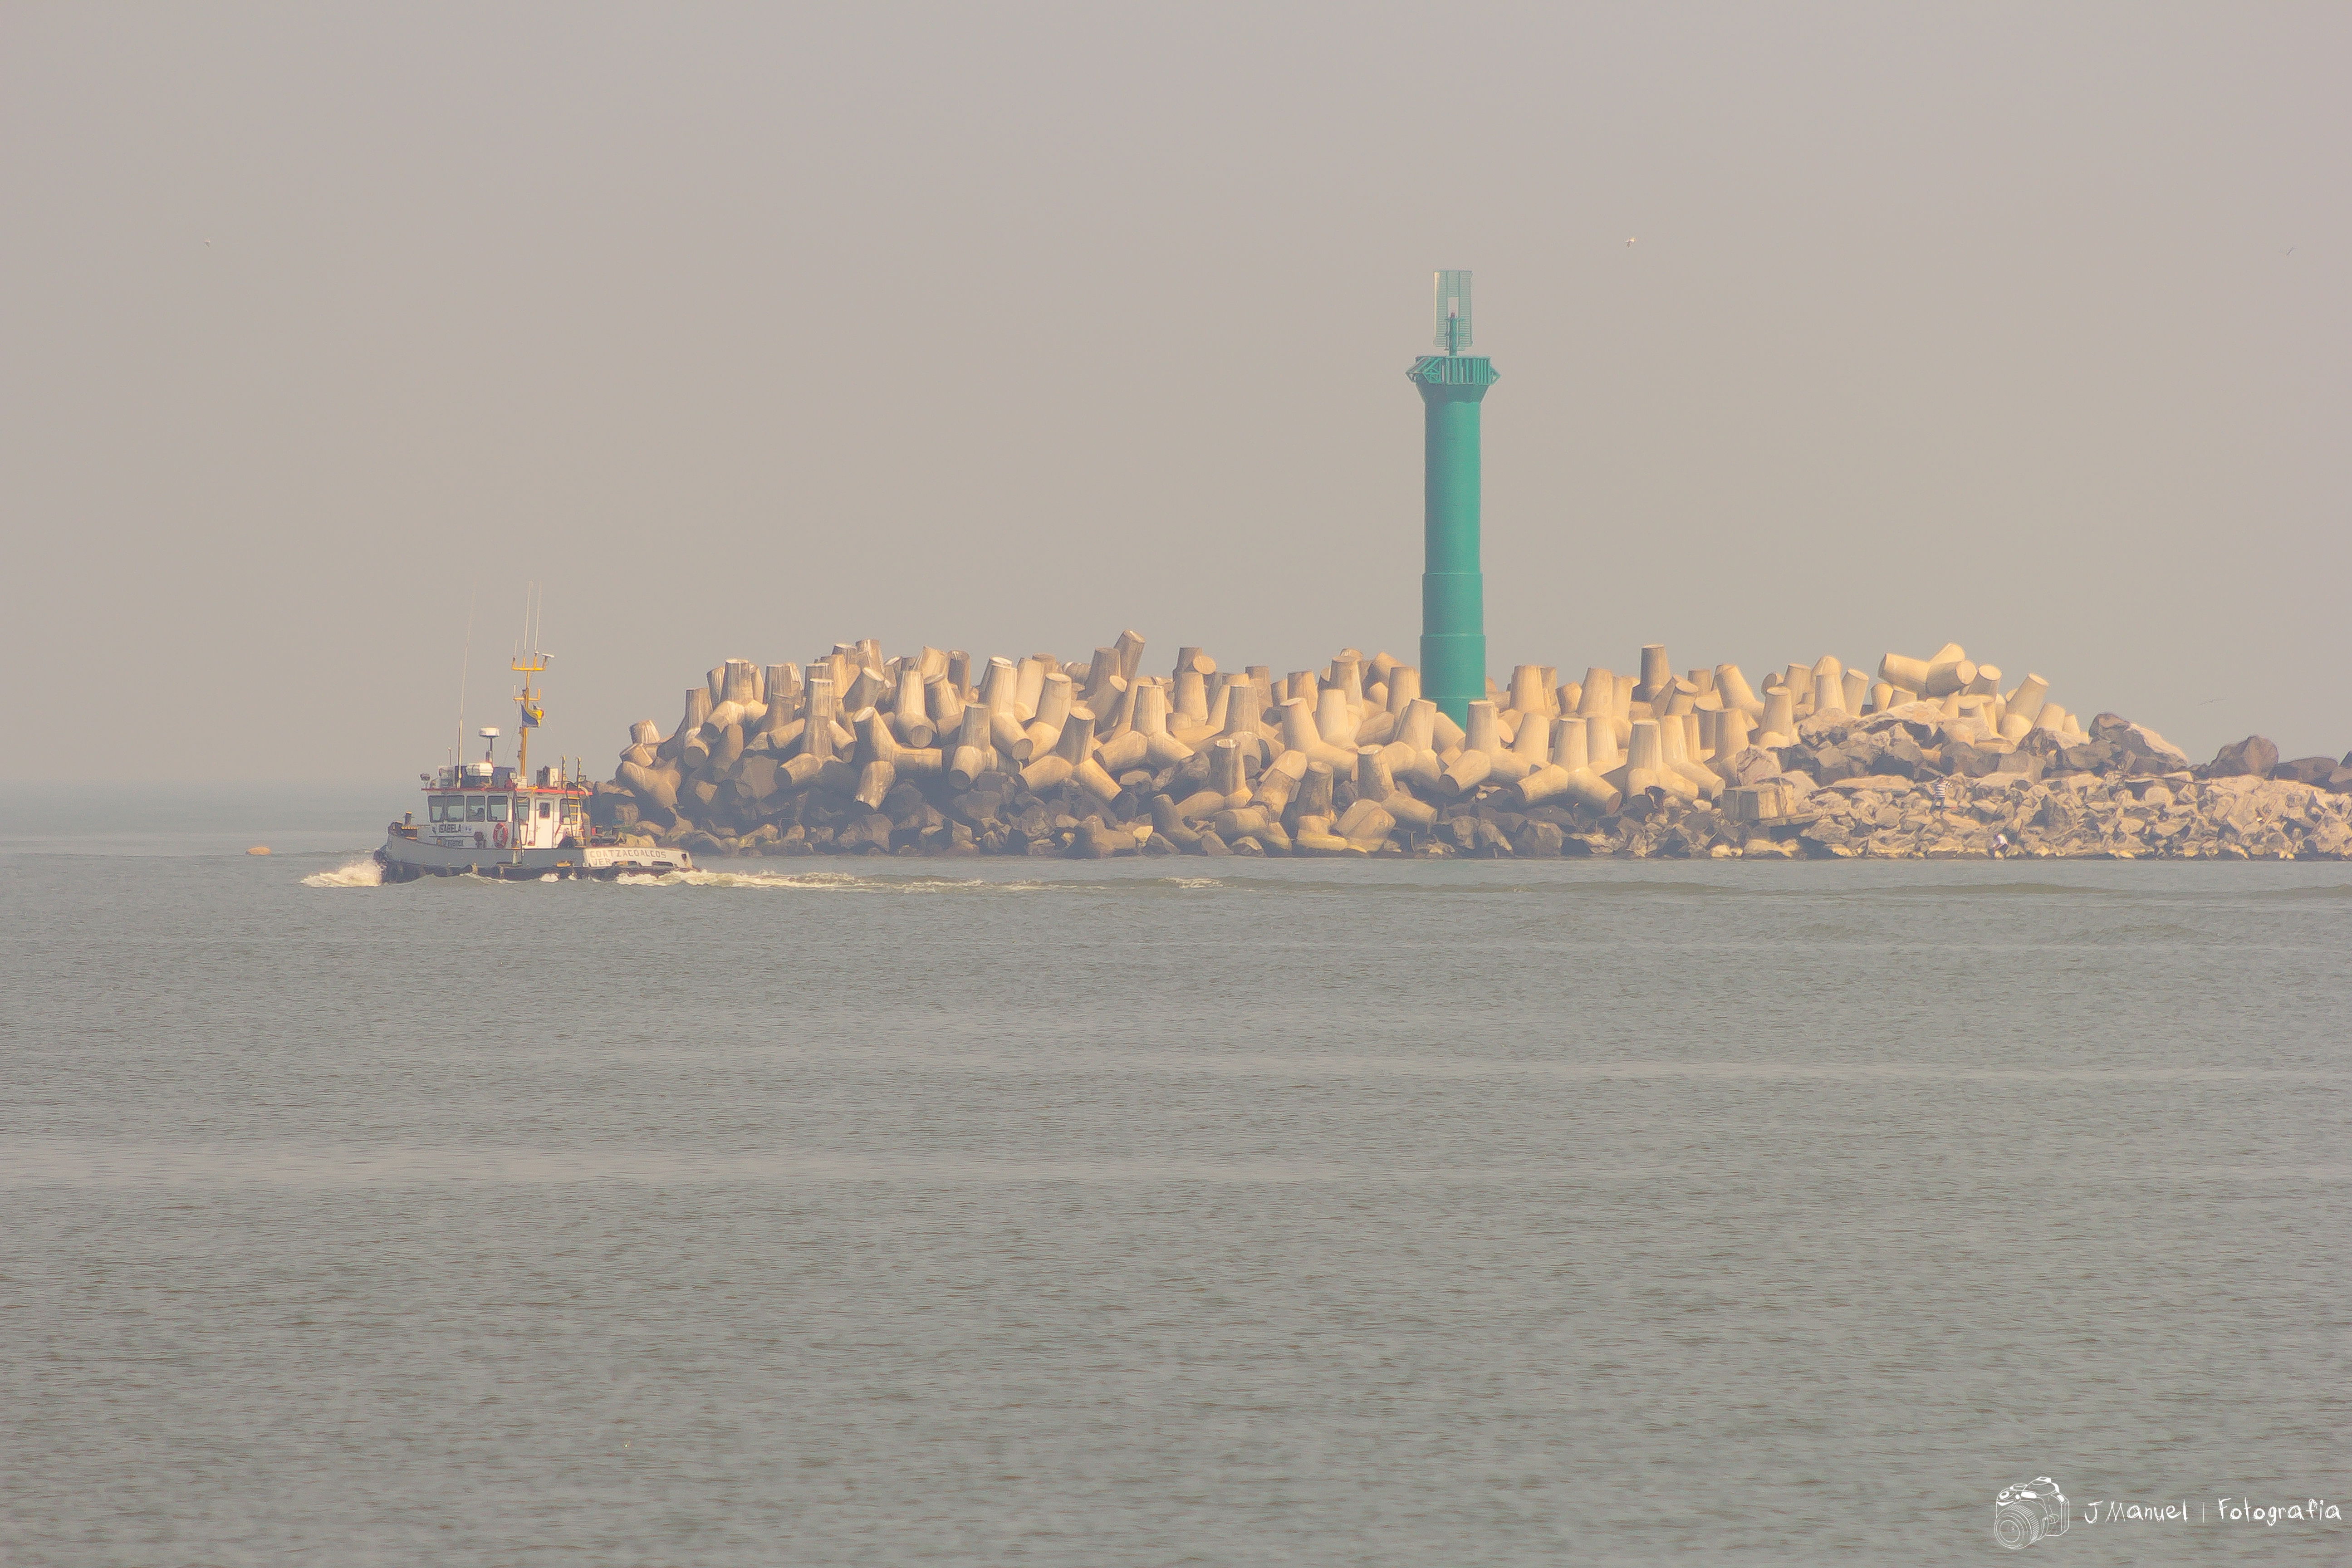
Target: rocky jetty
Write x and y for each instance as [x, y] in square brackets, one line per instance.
[1931, 758]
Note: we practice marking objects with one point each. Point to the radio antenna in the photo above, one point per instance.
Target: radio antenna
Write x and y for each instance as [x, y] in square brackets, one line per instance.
[465, 663]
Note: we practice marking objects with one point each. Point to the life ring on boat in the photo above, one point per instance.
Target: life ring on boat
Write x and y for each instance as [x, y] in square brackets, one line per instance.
[498, 835]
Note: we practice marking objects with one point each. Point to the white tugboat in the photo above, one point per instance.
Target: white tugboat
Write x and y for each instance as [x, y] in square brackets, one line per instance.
[500, 821]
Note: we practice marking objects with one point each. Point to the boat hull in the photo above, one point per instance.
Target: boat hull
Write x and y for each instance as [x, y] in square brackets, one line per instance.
[405, 859]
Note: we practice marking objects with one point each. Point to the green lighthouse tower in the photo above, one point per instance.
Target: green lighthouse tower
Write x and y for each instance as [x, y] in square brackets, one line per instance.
[1452, 589]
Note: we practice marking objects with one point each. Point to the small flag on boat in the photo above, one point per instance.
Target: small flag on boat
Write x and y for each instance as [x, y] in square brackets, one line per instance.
[531, 715]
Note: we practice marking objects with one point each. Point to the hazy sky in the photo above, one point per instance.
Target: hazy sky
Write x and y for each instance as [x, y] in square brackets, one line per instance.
[1003, 328]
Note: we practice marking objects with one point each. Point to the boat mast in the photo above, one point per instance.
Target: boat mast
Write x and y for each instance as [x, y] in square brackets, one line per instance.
[526, 664]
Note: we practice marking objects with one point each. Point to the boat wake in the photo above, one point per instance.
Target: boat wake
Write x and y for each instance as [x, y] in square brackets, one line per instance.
[810, 881]
[363, 872]
[851, 882]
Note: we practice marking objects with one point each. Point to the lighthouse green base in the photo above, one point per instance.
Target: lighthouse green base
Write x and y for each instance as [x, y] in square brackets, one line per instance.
[1453, 588]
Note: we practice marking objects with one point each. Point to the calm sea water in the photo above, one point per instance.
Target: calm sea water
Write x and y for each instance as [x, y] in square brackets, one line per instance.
[896, 1212]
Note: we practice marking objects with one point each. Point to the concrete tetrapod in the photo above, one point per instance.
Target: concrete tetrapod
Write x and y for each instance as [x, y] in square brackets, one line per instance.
[1569, 775]
[739, 682]
[865, 690]
[1000, 695]
[945, 703]
[879, 743]
[1335, 719]
[698, 712]
[1572, 752]
[726, 749]
[1532, 744]
[1299, 734]
[909, 717]
[1347, 679]
[1129, 645]
[1601, 745]
[1225, 771]
[1076, 749]
[722, 716]
[1055, 695]
[2025, 706]
[1162, 750]
[1646, 765]
[1528, 694]
[1484, 735]
[1950, 677]
[1413, 754]
[1121, 720]
[1124, 753]
[1376, 780]
[1248, 822]
[1188, 714]
[780, 687]
[1903, 673]
[817, 734]
[1315, 792]
[1365, 825]
[1732, 729]
[974, 752]
[1243, 719]
[1279, 782]
[1857, 692]
[1104, 682]
[1657, 671]
[1028, 685]
[1733, 685]
[1405, 688]
[1798, 679]
[656, 784]
[1596, 697]
[1673, 745]
[1072, 750]
[1165, 822]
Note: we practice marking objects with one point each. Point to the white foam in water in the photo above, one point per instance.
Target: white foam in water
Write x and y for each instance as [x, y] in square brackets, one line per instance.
[850, 882]
[361, 873]
[807, 882]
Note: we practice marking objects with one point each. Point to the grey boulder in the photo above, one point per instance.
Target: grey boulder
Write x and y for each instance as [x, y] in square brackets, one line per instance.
[2252, 757]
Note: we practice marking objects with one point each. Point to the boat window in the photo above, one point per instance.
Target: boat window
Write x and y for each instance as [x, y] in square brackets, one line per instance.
[476, 808]
[498, 808]
[546, 808]
[448, 808]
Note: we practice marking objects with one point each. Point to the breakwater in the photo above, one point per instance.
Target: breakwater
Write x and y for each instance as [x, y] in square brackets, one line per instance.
[1935, 757]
